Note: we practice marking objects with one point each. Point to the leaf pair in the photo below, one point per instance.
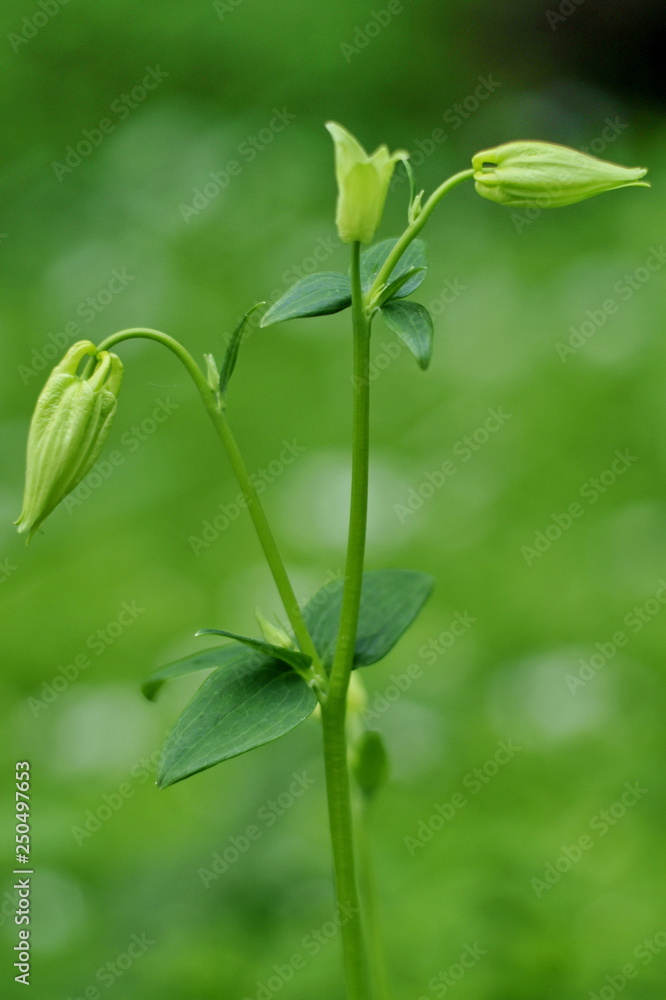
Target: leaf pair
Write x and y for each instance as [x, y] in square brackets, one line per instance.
[330, 292]
[256, 695]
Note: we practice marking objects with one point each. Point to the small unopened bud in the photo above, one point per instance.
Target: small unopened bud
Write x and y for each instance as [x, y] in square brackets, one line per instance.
[363, 183]
[545, 174]
[273, 634]
[70, 424]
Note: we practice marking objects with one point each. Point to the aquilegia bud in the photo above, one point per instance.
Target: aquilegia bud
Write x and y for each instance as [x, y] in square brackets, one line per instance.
[363, 183]
[547, 175]
[70, 424]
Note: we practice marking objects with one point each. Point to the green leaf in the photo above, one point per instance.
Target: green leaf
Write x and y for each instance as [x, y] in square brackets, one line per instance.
[392, 289]
[298, 661]
[314, 295]
[390, 601]
[370, 764]
[206, 660]
[413, 324]
[233, 347]
[232, 713]
[415, 256]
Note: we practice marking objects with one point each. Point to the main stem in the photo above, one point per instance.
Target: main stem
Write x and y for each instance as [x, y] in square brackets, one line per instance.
[335, 705]
[262, 527]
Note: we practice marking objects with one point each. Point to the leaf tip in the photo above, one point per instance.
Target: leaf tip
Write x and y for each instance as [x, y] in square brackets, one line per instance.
[150, 688]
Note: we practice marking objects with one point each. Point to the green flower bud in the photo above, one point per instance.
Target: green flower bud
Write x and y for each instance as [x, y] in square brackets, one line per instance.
[547, 175]
[363, 183]
[70, 424]
[272, 633]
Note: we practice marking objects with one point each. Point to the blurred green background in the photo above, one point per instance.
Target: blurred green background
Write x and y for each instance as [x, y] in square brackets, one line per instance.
[148, 224]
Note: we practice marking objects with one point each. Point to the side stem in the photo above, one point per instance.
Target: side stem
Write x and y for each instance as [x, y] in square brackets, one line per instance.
[254, 506]
[414, 229]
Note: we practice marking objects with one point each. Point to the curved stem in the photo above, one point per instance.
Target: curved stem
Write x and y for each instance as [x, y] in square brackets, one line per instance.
[250, 494]
[414, 229]
[334, 706]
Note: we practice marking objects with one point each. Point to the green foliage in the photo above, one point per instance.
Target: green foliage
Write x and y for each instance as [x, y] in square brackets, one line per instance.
[390, 601]
[315, 295]
[247, 702]
[414, 260]
[260, 688]
[395, 286]
[299, 661]
[413, 324]
[233, 347]
[207, 660]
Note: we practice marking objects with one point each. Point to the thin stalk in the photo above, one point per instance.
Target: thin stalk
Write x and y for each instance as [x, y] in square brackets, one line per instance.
[335, 705]
[414, 229]
[254, 506]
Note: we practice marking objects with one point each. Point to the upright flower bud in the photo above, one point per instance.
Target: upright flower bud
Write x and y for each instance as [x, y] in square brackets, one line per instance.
[547, 175]
[363, 183]
[70, 424]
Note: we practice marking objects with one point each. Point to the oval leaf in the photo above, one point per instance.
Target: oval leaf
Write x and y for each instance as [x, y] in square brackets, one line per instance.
[209, 659]
[413, 324]
[414, 258]
[314, 295]
[232, 713]
[390, 601]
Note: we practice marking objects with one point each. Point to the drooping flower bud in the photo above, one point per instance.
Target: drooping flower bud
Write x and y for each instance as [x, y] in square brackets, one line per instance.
[547, 175]
[363, 183]
[71, 422]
